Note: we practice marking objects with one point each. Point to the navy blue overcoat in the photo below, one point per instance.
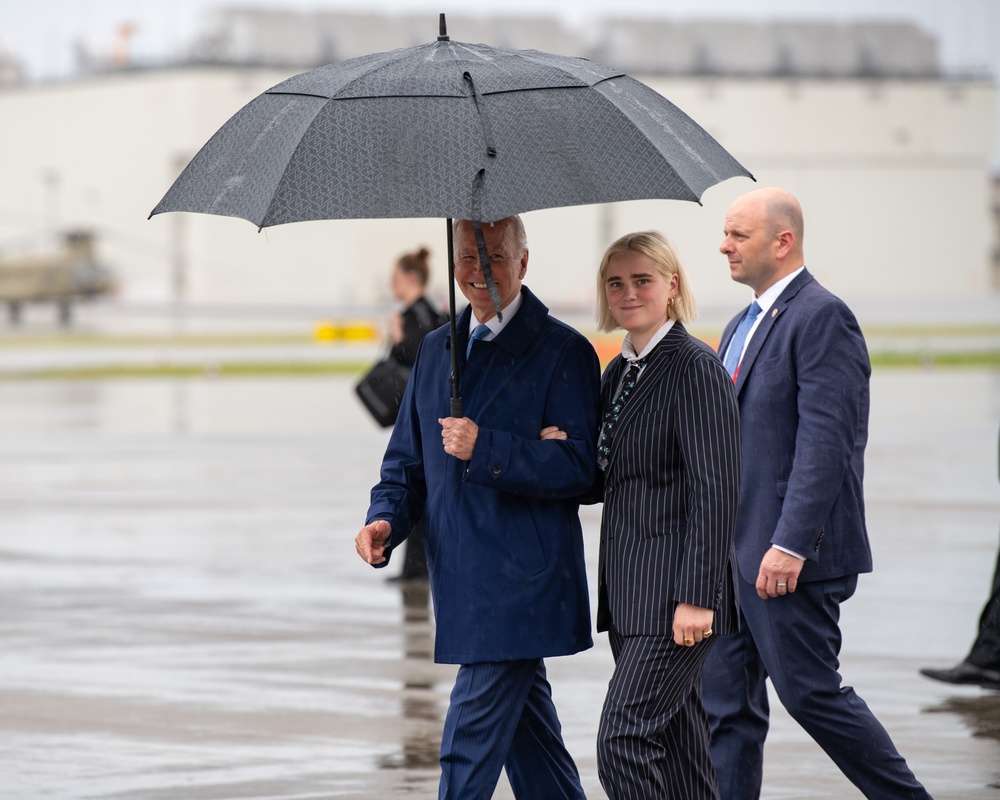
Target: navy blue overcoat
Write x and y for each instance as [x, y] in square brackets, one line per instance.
[504, 540]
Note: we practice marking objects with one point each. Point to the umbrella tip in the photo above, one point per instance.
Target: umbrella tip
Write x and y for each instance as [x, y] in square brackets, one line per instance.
[442, 29]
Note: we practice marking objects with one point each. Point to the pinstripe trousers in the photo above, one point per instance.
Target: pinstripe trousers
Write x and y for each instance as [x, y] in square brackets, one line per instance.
[653, 737]
[502, 716]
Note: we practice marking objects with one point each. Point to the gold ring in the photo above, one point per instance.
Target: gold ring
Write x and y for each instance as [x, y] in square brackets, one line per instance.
[688, 641]
[707, 633]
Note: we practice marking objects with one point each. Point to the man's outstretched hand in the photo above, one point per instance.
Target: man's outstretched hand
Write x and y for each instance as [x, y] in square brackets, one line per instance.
[371, 542]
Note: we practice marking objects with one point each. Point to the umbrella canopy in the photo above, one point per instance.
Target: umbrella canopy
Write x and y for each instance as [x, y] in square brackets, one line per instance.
[452, 130]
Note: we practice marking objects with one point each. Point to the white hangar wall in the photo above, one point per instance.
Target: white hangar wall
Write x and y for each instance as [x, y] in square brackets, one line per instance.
[893, 176]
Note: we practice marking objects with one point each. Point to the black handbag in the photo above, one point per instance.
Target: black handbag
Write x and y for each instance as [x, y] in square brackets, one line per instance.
[381, 390]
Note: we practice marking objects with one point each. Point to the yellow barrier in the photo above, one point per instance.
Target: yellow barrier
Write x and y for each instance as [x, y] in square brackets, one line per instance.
[327, 332]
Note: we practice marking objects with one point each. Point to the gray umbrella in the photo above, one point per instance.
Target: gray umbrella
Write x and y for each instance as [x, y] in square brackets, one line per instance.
[453, 130]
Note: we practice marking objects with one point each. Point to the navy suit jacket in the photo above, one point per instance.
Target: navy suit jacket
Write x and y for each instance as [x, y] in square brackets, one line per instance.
[802, 390]
[670, 491]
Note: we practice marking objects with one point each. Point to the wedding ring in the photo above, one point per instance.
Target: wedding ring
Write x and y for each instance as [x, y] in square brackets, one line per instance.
[782, 584]
[688, 641]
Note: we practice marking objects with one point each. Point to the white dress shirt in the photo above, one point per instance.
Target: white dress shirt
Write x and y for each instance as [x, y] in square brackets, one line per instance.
[765, 301]
[629, 354]
[494, 324]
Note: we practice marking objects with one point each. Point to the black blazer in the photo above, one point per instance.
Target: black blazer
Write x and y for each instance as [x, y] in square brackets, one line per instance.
[671, 491]
[419, 319]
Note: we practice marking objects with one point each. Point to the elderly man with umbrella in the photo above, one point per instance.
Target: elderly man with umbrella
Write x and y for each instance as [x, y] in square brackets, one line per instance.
[504, 540]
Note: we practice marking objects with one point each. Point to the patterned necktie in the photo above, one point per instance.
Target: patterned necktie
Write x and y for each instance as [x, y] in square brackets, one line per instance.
[481, 331]
[735, 352]
[614, 412]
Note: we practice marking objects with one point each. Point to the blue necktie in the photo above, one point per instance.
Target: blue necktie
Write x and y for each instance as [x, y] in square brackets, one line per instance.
[735, 352]
[481, 331]
[614, 411]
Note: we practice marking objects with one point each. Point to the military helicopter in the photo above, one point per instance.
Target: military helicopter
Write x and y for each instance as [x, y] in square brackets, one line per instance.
[67, 274]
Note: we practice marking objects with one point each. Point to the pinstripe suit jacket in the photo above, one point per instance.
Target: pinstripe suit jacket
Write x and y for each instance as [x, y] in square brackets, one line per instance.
[671, 491]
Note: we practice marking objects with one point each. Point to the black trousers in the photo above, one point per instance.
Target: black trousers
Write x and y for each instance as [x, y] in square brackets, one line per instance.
[985, 651]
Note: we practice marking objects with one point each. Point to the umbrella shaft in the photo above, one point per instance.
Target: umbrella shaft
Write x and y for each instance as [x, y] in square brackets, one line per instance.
[456, 401]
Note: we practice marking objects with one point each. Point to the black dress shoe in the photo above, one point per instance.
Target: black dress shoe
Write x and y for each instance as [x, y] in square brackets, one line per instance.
[965, 672]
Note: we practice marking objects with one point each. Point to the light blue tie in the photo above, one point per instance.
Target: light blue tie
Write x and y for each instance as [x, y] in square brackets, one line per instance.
[735, 351]
[481, 331]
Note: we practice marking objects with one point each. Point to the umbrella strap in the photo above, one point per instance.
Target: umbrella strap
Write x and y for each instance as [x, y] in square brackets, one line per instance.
[491, 149]
[484, 261]
[477, 191]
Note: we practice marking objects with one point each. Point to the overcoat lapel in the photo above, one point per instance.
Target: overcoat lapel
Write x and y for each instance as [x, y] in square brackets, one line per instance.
[512, 342]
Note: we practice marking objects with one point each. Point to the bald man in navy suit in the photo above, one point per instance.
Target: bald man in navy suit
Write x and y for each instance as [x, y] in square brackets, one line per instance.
[801, 372]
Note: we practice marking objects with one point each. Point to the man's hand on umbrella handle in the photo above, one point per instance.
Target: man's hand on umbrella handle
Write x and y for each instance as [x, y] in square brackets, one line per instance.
[459, 436]
[779, 574]
[371, 541]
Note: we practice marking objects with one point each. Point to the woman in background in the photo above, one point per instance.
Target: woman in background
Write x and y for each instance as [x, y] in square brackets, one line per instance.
[406, 329]
[418, 317]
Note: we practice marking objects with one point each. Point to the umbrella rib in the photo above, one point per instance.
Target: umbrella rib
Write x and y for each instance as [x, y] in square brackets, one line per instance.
[656, 116]
[299, 94]
[288, 161]
[355, 97]
[342, 92]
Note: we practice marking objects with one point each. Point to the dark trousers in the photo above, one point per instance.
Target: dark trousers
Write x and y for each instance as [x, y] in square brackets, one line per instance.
[795, 640]
[985, 651]
[502, 716]
[653, 738]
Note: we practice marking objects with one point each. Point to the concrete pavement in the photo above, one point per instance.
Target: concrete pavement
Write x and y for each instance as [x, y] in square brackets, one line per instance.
[183, 614]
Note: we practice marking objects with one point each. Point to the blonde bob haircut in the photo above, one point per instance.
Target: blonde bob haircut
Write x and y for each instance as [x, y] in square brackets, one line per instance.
[658, 249]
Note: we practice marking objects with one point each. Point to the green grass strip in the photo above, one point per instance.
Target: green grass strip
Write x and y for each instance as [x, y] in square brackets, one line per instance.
[985, 358]
[263, 369]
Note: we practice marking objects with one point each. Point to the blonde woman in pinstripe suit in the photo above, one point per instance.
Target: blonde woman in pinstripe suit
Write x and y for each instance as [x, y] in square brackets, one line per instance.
[671, 492]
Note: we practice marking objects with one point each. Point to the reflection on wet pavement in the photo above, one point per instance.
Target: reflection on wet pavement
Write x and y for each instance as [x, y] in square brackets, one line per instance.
[981, 715]
[183, 614]
[422, 708]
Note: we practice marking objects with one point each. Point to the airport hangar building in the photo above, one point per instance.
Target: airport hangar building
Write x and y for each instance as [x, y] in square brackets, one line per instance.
[890, 158]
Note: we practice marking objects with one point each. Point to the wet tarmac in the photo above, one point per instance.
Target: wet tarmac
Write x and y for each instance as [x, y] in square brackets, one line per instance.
[183, 615]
